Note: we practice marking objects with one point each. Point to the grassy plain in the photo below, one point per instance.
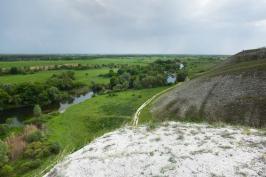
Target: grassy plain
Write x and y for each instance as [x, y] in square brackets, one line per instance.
[99, 61]
[84, 76]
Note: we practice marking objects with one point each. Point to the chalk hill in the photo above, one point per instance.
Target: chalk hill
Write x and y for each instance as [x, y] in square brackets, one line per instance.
[233, 92]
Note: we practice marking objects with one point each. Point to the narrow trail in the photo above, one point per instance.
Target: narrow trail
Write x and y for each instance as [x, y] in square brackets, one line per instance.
[137, 113]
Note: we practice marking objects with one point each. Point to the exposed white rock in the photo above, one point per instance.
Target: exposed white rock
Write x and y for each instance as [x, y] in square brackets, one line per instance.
[173, 149]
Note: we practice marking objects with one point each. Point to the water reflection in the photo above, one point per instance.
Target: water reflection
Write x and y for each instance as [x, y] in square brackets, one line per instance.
[76, 100]
[171, 79]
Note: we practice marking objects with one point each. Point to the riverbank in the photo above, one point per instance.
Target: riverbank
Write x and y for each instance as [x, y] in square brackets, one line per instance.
[24, 113]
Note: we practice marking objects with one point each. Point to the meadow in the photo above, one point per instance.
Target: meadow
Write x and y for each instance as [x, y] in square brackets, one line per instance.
[99, 61]
[84, 76]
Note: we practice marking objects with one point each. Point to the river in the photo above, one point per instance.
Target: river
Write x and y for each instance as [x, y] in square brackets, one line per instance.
[17, 115]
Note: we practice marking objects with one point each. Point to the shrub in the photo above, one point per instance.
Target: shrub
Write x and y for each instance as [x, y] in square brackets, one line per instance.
[3, 130]
[35, 136]
[37, 111]
[7, 171]
[30, 165]
[14, 70]
[54, 148]
[37, 150]
[3, 153]
[16, 145]
[29, 129]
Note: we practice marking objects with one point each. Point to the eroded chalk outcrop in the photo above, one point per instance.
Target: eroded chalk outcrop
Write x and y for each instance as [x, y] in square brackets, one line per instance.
[172, 149]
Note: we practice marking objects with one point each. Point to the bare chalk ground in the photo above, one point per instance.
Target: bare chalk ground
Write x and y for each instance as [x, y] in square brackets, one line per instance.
[172, 149]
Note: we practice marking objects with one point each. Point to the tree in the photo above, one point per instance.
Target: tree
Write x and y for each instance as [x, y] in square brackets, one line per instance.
[111, 73]
[114, 81]
[3, 153]
[37, 111]
[54, 94]
[14, 70]
[4, 98]
[181, 75]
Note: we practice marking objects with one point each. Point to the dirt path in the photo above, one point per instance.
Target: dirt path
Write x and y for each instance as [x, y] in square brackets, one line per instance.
[137, 113]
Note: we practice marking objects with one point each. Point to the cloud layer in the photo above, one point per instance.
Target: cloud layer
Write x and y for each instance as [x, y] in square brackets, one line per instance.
[131, 26]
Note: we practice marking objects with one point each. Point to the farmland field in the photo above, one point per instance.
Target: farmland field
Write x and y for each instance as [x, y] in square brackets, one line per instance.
[84, 76]
[8, 64]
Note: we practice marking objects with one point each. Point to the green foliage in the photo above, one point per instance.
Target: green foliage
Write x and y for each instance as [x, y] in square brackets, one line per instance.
[40, 149]
[35, 136]
[6, 171]
[3, 130]
[37, 111]
[181, 75]
[27, 94]
[3, 153]
[4, 98]
[54, 148]
[137, 77]
[14, 70]
[37, 150]
[63, 81]
[29, 165]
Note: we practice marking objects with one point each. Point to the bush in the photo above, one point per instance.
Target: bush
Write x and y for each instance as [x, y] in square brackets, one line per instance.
[37, 111]
[54, 148]
[3, 130]
[3, 153]
[37, 121]
[14, 70]
[35, 136]
[30, 165]
[7, 171]
[37, 150]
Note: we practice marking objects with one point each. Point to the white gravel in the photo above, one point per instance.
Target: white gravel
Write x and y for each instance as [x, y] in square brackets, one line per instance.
[172, 149]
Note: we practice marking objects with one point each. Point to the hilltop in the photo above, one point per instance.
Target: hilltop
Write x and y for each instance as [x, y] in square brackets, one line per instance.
[233, 92]
[172, 149]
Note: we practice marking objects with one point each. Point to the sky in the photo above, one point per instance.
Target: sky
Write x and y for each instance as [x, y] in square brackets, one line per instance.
[132, 26]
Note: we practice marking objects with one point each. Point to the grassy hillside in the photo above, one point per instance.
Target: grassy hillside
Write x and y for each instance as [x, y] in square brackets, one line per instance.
[235, 68]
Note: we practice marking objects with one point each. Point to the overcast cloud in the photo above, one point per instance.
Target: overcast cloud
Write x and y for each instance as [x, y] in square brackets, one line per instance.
[132, 26]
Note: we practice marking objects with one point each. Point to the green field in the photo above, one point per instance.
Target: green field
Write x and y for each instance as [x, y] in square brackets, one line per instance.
[84, 76]
[137, 60]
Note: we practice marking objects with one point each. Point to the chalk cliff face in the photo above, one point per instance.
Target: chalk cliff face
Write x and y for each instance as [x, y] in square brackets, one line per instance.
[171, 149]
[234, 92]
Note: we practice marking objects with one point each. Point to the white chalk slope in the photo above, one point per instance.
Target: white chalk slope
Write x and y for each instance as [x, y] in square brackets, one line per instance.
[173, 149]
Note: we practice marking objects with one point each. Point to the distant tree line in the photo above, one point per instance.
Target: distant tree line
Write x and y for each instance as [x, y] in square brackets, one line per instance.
[33, 69]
